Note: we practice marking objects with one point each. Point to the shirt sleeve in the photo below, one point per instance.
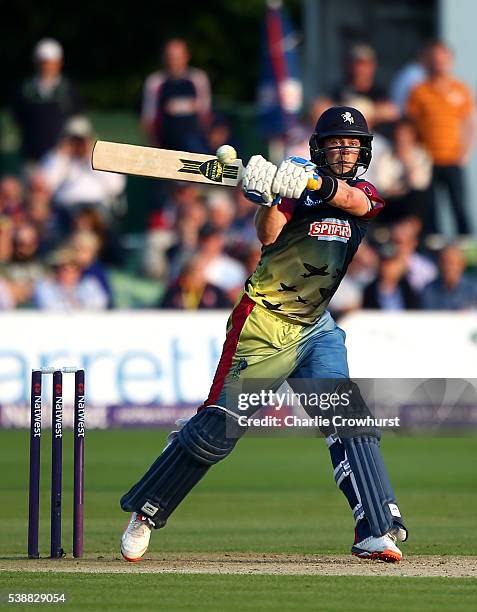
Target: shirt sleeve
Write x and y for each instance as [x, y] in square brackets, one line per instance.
[287, 207]
[202, 86]
[376, 201]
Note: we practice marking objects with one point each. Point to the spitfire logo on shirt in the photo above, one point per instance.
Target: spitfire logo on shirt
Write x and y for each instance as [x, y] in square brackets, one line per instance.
[331, 229]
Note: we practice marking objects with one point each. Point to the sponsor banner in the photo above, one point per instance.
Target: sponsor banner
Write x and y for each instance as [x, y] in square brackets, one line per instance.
[99, 417]
[149, 368]
[411, 344]
[129, 357]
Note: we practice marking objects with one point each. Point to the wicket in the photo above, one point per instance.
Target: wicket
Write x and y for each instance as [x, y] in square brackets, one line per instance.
[56, 550]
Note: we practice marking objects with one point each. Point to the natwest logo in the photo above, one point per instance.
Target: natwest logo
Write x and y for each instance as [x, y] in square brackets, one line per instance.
[331, 229]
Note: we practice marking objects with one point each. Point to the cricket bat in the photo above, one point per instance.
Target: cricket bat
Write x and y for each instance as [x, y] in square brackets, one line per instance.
[166, 164]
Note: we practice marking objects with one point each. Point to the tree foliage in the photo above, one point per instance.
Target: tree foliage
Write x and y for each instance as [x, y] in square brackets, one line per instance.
[111, 46]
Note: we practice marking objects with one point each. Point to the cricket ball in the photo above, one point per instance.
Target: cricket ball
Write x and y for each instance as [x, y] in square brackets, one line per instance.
[226, 154]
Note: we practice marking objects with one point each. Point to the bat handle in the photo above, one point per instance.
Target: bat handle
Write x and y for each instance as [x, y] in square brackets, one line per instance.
[313, 184]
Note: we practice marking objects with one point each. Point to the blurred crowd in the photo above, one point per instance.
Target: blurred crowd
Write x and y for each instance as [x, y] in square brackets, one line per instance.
[61, 243]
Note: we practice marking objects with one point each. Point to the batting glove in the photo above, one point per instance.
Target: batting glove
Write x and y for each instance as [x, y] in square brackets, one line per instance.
[292, 177]
[257, 181]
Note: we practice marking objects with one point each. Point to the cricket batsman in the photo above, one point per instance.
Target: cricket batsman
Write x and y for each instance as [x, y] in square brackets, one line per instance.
[280, 330]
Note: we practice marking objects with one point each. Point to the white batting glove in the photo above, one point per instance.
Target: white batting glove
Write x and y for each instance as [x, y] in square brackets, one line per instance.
[292, 177]
[257, 181]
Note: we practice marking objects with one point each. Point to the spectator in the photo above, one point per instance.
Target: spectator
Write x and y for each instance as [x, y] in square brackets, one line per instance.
[443, 109]
[173, 234]
[408, 193]
[361, 271]
[420, 270]
[219, 133]
[242, 232]
[6, 240]
[182, 195]
[391, 290]
[7, 298]
[188, 225]
[69, 175]
[88, 218]
[43, 102]
[452, 290]
[25, 244]
[416, 163]
[220, 269]
[250, 257]
[191, 290]
[65, 290]
[25, 267]
[298, 137]
[87, 246]
[361, 83]
[176, 102]
[407, 78]
[221, 208]
[382, 171]
[11, 198]
[38, 212]
[157, 251]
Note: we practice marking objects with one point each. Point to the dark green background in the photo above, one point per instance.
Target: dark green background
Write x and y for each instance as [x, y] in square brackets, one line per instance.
[111, 46]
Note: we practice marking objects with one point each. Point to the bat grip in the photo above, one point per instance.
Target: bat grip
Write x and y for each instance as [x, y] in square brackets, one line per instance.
[313, 184]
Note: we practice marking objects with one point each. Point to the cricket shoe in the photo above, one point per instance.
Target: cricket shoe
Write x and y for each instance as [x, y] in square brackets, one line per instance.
[383, 548]
[135, 539]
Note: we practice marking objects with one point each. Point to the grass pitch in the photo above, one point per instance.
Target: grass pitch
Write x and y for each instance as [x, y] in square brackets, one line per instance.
[236, 593]
[272, 496]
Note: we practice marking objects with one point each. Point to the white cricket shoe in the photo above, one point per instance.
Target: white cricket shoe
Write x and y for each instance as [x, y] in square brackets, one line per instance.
[383, 548]
[136, 537]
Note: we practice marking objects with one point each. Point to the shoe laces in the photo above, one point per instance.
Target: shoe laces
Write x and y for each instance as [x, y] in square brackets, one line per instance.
[139, 526]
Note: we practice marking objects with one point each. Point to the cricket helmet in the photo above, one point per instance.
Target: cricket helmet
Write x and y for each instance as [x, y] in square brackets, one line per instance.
[341, 121]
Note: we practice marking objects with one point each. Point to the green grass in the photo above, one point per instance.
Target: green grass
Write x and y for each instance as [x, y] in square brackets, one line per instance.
[270, 495]
[273, 495]
[215, 592]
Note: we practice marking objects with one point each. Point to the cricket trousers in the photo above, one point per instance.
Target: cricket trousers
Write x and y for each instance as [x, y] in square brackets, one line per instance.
[262, 349]
[265, 350]
[263, 346]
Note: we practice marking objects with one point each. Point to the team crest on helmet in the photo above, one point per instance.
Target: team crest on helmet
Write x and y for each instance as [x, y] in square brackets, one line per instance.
[348, 117]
